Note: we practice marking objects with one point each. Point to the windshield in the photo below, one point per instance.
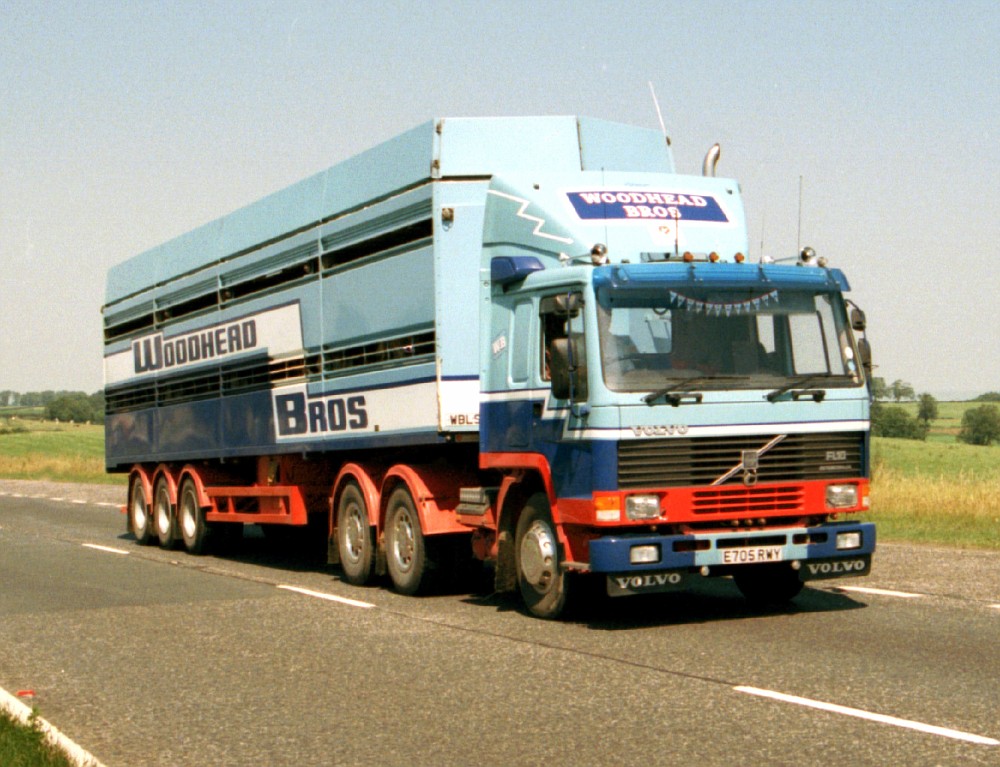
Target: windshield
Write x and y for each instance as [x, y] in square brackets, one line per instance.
[742, 339]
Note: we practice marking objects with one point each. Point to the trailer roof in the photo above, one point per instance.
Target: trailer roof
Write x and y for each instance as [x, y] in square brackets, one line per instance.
[441, 148]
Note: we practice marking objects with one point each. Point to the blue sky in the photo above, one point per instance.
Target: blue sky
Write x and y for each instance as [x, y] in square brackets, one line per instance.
[125, 124]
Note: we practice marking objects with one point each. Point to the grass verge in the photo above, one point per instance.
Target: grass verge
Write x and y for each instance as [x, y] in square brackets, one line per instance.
[25, 745]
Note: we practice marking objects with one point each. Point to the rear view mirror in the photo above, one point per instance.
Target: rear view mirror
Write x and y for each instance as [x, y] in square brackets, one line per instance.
[568, 380]
[858, 320]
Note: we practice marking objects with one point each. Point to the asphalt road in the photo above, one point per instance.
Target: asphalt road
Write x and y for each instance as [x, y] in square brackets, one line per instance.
[152, 657]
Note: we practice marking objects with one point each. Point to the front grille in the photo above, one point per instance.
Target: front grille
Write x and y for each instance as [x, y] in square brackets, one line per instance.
[699, 462]
[755, 501]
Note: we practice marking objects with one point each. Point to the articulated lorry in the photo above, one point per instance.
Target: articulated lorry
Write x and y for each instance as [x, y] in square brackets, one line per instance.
[527, 341]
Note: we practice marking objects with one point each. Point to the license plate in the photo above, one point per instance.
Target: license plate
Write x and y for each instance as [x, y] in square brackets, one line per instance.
[752, 555]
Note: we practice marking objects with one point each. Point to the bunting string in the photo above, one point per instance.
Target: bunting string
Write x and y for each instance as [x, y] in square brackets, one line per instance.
[717, 308]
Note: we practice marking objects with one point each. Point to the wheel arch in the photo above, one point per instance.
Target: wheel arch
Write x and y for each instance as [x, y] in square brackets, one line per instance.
[434, 492]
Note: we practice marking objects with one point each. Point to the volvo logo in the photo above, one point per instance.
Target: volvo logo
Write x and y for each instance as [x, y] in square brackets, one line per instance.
[749, 463]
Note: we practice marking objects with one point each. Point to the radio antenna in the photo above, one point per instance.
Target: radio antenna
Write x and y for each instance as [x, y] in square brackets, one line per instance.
[798, 243]
[659, 114]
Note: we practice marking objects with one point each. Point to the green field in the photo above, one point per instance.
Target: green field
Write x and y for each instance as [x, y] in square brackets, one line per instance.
[939, 491]
[61, 452]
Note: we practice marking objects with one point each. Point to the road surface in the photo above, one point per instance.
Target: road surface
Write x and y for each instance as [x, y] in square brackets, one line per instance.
[152, 657]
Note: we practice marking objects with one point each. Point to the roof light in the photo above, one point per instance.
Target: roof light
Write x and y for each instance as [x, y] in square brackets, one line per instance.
[688, 257]
[739, 258]
[599, 254]
[713, 257]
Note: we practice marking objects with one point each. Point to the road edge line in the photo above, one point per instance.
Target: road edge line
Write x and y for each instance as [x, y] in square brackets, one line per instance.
[22, 713]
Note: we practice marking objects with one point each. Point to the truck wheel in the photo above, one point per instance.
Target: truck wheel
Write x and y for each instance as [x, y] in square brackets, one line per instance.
[163, 518]
[543, 583]
[191, 519]
[405, 548]
[354, 536]
[139, 520]
[768, 584]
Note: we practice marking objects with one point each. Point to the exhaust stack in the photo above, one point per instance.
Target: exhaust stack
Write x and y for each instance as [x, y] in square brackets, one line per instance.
[711, 160]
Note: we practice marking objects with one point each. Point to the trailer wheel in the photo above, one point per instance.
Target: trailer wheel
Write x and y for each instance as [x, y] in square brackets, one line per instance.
[191, 519]
[768, 584]
[163, 517]
[139, 520]
[543, 583]
[355, 538]
[405, 548]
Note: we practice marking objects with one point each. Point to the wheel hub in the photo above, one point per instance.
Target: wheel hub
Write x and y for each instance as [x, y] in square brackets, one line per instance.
[352, 535]
[538, 555]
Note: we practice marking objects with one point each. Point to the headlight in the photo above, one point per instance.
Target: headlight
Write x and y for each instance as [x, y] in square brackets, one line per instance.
[642, 507]
[841, 496]
[847, 541]
[644, 555]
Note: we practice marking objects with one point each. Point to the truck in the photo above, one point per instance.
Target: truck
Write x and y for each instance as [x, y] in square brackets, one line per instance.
[522, 341]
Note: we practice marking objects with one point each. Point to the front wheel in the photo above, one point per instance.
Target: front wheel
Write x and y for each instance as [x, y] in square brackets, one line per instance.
[543, 583]
[774, 584]
[354, 536]
[405, 547]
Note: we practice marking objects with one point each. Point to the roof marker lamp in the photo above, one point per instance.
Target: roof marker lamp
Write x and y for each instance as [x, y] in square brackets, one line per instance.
[599, 254]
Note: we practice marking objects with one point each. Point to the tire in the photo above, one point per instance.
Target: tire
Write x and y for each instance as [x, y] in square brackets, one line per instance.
[139, 520]
[355, 537]
[163, 515]
[405, 547]
[191, 519]
[764, 585]
[544, 585]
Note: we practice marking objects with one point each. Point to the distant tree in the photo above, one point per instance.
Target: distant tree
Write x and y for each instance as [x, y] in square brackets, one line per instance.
[990, 396]
[880, 390]
[97, 404]
[895, 422]
[75, 407]
[901, 390]
[928, 409]
[31, 399]
[980, 425]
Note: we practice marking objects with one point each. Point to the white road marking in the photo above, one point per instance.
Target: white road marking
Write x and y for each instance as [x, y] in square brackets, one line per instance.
[880, 592]
[328, 597]
[104, 548]
[22, 713]
[861, 714]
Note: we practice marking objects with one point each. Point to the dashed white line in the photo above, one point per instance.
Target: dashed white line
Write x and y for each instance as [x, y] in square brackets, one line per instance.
[880, 592]
[328, 597]
[108, 549]
[873, 717]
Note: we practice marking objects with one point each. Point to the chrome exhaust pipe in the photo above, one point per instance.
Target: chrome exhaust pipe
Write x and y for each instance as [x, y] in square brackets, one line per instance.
[711, 160]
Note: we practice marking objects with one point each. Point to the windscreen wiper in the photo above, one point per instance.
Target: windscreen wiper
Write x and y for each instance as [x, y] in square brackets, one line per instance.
[801, 384]
[679, 390]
